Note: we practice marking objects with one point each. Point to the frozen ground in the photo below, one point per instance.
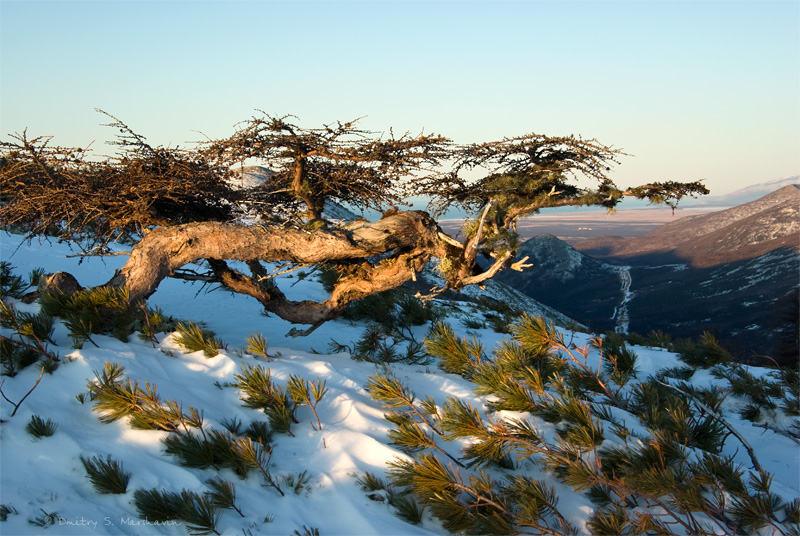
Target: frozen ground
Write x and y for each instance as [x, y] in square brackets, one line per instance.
[44, 479]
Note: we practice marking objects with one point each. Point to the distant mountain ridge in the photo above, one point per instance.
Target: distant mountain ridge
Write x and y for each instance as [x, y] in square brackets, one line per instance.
[743, 195]
[739, 233]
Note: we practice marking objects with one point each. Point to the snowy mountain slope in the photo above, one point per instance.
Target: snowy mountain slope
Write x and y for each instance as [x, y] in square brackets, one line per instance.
[43, 481]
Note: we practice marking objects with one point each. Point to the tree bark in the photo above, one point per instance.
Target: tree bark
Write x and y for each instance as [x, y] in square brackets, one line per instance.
[411, 238]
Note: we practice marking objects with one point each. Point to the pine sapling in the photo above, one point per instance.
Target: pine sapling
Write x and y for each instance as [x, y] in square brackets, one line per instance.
[39, 428]
[408, 509]
[307, 531]
[234, 425]
[11, 285]
[222, 494]
[457, 356]
[259, 432]
[409, 437]
[257, 345]
[5, 510]
[257, 455]
[305, 393]
[200, 513]
[394, 394]
[299, 483]
[106, 475]
[194, 339]
[32, 334]
[156, 505]
[45, 520]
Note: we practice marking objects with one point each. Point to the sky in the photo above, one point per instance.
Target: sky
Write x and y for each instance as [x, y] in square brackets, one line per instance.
[691, 90]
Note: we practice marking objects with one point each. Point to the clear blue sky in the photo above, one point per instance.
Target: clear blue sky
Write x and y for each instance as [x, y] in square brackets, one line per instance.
[694, 90]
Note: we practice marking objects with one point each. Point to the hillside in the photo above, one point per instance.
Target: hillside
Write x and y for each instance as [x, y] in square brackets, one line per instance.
[739, 233]
[734, 273]
[347, 466]
[563, 278]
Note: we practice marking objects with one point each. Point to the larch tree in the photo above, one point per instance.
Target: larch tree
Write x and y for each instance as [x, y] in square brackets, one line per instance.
[179, 206]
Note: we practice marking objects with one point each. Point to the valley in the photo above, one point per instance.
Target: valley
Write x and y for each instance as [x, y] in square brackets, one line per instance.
[734, 273]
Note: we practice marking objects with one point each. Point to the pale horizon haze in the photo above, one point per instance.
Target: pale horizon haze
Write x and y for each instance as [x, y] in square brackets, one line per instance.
[692, 90]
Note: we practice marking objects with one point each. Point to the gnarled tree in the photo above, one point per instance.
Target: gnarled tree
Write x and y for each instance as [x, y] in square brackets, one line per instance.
[181, 206]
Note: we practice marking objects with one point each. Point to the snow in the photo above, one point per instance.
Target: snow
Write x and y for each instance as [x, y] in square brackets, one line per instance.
[621, 315]
[45, 477]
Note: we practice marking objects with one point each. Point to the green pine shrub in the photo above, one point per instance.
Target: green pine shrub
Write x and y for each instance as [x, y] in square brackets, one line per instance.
[408, 509]
[380, 307]
[375, 345]
[33, 332]
[659, 339]
[705, 353]
[406, 506]
[154, 321]
[502, 308]
[208, 449]
[39, 428]
[413, 312]
[257, 455]
[410, 417]
[328, 276]
[222, 494]
[619, 362]
[194, 339]
[115, 397]
[307, 531]
[259, 392]
[380, 343]
[106, 475]
[15, 358]
[99, 310]
[305, 393]
[673, 463]
[456, 356]
[5, 510]
[34, 327]
[636, 339]
[259, 432]
[299, 483]
[157, 505]
[471, 322]
[104, 311]
[257, 345]
[234, 425]
[12, 285]
[199, 513]
[370, 483]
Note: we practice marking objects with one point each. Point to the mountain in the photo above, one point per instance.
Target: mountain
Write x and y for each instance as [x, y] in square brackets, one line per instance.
[746, 304]
[563, 278]
[734, 273]
[743, 195]
[336, 460]
[739, 233]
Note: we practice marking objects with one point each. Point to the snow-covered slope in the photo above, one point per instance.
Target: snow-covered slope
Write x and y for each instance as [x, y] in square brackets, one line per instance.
[44, 486]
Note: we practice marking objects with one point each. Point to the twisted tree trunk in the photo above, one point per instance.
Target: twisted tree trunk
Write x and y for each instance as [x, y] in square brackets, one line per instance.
[409, 239]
